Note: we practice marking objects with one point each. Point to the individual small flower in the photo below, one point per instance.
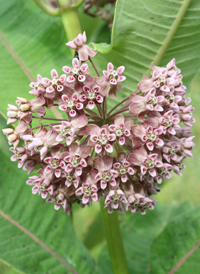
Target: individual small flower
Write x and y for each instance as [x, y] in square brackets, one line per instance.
[150, 102]
[148, 135]
[41, 141]
[55, 162]
[57, 83]
[79, 75]
[148, 162]
[121, 128]
[42, 184]
[186, 115]
[91, 96]
[89, 189]
[59, 198]
[76, 160]
[20, 155]
[101, 138]
[109, 83]
[169, 122]
[71, 104]
[123, 166]
[115, 200]
[137, 200]
[69, 129]
[106, 174]
[83, 50]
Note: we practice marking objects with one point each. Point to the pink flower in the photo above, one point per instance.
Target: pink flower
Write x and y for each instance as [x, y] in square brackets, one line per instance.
[76, 159]
[148, 135]
[115, 200]
[150, 102]
[101, 138]
[89, 189]
[91, 96]
[41, 141]
[109, 83]
[106, 174]
[83, 50]
[71, 104]
[69, 129]
[123, 167]
[121, 128]
[147, 162]
[78, 75]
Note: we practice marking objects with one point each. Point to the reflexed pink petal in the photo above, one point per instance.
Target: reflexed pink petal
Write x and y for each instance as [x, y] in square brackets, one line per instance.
[108, 148]
[71, 44]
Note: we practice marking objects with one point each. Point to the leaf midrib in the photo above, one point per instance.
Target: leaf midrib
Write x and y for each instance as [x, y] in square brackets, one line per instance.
[32, 236]
[171, 33]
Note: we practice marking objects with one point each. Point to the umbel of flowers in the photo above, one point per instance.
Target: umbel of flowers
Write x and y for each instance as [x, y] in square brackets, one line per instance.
[122, 155]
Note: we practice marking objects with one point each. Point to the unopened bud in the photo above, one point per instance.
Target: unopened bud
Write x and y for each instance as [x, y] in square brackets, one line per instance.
[11, 121]
[12, 114]
[25, 107]
[22, 100]
[7, 131]
[12, 138]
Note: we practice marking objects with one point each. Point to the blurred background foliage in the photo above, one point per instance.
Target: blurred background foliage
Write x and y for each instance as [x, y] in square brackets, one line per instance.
[87, 224]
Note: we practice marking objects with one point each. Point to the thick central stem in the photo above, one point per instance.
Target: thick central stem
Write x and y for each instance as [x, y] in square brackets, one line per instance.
[114, 241]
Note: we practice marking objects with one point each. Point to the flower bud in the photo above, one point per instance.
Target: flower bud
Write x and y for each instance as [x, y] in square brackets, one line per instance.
[12, 138]
[12, 114]
[22, 100]
[7, 131]
[25, 107]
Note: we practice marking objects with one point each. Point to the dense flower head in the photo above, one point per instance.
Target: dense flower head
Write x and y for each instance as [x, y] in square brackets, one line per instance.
[121, 155]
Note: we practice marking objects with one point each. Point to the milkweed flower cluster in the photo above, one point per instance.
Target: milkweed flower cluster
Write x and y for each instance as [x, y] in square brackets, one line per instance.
[121, 156]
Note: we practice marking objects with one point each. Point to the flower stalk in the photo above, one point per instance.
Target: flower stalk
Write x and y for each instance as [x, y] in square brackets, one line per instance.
[114, 241]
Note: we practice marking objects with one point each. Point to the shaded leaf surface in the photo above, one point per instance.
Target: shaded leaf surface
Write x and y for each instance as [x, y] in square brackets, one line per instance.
[51, 227]
[179, 237]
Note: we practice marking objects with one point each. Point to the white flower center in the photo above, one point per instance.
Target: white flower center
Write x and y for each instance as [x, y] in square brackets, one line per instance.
[102, 140]
[91, 95]
[151, 137]
[119, 132]
[106, 176]
[75, 161]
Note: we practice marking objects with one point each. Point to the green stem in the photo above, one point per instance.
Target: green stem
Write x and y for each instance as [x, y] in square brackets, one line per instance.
[71, 22]
[47, 7]
[114, 241]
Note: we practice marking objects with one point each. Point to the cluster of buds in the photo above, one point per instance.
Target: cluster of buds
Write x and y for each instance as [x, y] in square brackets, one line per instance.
[120, 155]
[102, 9]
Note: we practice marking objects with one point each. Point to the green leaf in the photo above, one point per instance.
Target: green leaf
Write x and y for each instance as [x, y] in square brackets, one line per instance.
[33, 236]
[176, 249]
[153, 31]
[138, 233]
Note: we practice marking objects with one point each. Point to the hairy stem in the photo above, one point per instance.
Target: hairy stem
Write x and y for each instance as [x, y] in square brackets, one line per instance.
[114, 241]
[117, 105]
[117, 112]
[94, 67]
[49, 118]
